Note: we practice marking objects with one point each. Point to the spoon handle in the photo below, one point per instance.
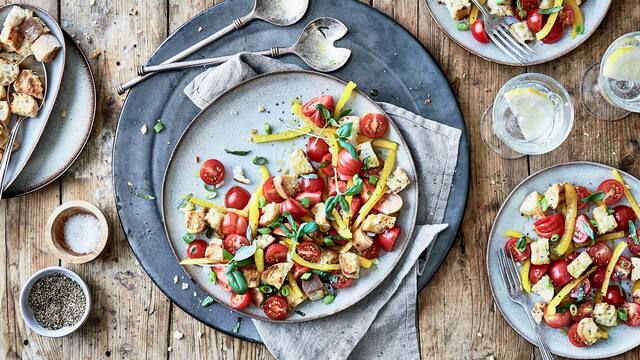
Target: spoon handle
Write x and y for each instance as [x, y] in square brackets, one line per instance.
[236, 25]
[4, 164]
[149, 70]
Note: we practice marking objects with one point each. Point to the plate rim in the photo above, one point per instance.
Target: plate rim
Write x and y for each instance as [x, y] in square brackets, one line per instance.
[493, 230]
[561, 54]
[230, 91]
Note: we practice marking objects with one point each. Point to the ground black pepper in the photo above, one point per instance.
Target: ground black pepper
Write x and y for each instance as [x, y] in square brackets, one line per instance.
[57, 301]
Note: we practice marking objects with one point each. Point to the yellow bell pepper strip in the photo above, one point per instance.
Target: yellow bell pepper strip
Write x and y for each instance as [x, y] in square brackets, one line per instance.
[553, 304]
[636, 287]
[473, 15]
[258, 258]
[201, 261]
[389, 164]
[524, 276]
[209, 205]
[346, 247]
[340, 226]
[617, 252]
[630, 198]
[364, 262]
[294, 286]
[550, 22]
[281, 136]
[254, 210]
[513, 234]
[347, 213]
[578, 18]
[571, 199]
[342, 101]
[385, 144]
[310, 265]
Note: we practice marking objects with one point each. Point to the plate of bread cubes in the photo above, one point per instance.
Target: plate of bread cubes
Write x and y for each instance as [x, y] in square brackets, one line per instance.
[28, 33]
[552, 28]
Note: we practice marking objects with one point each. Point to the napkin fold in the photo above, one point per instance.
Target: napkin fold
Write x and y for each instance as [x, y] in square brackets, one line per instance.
[383, 325]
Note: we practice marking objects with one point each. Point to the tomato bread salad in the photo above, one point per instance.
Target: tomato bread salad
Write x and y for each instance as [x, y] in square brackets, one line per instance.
[530, 20]
[307, 231]
[582, 258]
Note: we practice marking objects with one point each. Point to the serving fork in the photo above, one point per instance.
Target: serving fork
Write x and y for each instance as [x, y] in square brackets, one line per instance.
[512, 282]
[502, 37]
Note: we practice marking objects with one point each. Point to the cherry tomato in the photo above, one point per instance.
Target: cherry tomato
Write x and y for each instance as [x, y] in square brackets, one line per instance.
[312, 185]
[328, 169]
[221, 277]
[615, 296]
[527, 6]
[276, 307]
[555, 34]
[367, 190]
[309, 109]
[299, 270]
[270, 193]
[309, 251]
[342, 283]
[613, 190]
[597, 277]
[347, 165]
[312, 197]
[342, 186]
[293, 207]
[535, 21]
[582, 192]
[276, 253]
[633, 247]
[580, 236]
[581, 290]
[212, 172]
[623, 215]
[515, 253]
[622, 269]
[550, 225]
[558, 272]
[574, 338]
[536, 272]
[356, 204]
[234, 242]
[388, 238]
[633, 314]
[240, 302]
[566, 16]
[584, 310]
[600, 253]
[557, 320]
[372, 252]
[279, 232]
[233, 223]
[196, 249]
[256, 296]
[478, 32]
[374, 125]
[237, 198]
[317, 149]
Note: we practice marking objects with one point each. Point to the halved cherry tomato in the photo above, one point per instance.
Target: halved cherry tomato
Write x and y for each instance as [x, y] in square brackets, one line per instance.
[574, 338]
[325, 165]
[584, 310]
[312, 185]
[518, 256]
[374, 125]
[309, 251]
[566, 16]
[234, 242]
[309, 109]
[623, 215]
[478, 32]
[581, 290]
[557, 320]
[582, 192]
[347, 165]
[276, 307]
[527, 6]
[356, 204]
[221, 277]
[256, 296]
[580, 236]
[293, 207]
[536, 272]
[631, 243]
[367, 190]
[600, 253]
[613, 190]
[343, 282]
[597, 277]
[555, 34]
[196, 249]
[622, 269]
[237, 198]
[312, 197]
[269, 192]
[550, 225]
[342, 186]
[233, 223]
[633, 313]
[240, 302]
[558, 272]
[388, 238]
[373, 252]
[615, 296]
[279, 232]
[276, 253]
[299, 270]
[212, 172]
[317, 148]
[535, 21]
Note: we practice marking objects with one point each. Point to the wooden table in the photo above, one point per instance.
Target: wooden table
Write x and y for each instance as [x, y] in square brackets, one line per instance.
[132, 319]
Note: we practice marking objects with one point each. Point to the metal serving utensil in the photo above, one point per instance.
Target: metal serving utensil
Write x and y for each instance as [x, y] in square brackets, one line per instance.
[315, 46]
[276, 12]
[28, 63]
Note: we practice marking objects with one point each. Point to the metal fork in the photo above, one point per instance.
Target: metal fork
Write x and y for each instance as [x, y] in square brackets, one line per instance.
[500, 34]
[511, 280]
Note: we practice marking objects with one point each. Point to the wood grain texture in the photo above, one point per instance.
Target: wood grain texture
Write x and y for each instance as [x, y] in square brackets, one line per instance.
[132, 319]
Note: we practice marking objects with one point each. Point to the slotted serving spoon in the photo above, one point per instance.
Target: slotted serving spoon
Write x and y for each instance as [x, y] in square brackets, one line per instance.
[315, 47]
[28, 63]
[276, 12]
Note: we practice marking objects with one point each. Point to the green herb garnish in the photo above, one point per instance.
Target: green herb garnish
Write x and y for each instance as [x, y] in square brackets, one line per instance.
[262, 202]
[305, 202]
[284, 291]
[207, 301]
[264, 231]
[373, 179]
[306, 276]
[633, 232]
[238, 152]
[159, 126]
[339, 198]
[328, 299]
[622, 314]
[544, 204]
[213, 277]
[555, 238]
[145, 196]
[188, 238]
[260, 160]
[236, 327]
[462, 26]
[596, 196]
[267, 129]
[552, 10]
[521, 245]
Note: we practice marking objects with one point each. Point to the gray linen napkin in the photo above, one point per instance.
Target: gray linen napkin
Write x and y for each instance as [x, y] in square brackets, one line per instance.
[383, 325]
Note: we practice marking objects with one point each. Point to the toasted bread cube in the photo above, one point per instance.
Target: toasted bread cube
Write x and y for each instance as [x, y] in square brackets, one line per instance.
[264, 240]
[25, 49]
[605, 314]
[11, 38]
[194, 220]
[547, 4]
[540, 252]
[521, 31]
[531, 205]
[544, 288]
[537, 311]
[606, 222]
[368, 156]
[588, 331]
[25, 105]
[329, 256]
[349, 265]
[3, 93]
[397, 181]
[458, 9]
[361, 241]
[286, 186]
[215, 250]
[9, 58]
[320, 217]
[29, 83]
[635, 273]
[214, 220]
[251, 275]
[8, 74]
[16, 16]
[579, 264]
[5, 112]
[502, 8]
[294, 298]
[555, 195]
[270, 213]
[32, 28]
[377, 223]
[275, 275]
[45, 47]
[299, 163]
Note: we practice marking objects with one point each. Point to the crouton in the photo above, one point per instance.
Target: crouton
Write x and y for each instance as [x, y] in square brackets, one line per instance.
[286, 186]
[215, 250]
[521, 31]
[5, 112]
[11, 38]
[251, 275]
[8, 74]
[195, 222]
[275, 275]
[349, 265]
[25, 48]
[3, 93]
[263, 241]
[29, 83]
[458, 9]
[320, 217]
[361, 241]
[16, 16]
[270, 213]
[531, 205]
[24, 105]
[555, 195]
[45, 47]
[238, 175]
[299, 164]
[329, 256]
[397, 181]
[606, 222]
[9, 58]
[368, 156]
[502, 8]
[214, 220]
[32, 28]
[377, 223]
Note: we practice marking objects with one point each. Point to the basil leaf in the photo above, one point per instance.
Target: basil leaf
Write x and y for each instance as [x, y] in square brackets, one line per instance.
[330, 204]
[245, 252]
[344, 113]
[552, 10]
[349, 147]
[521, 245]
[238, 152]
[326, 114]
[622, 314]
[286, 231]
[264, 231]
[344, 205]
[633, 232]
[260, 160]
[596, 196]
[587, 230]
[188, 238]
[325, 276]
[309, 227]
[344, 131]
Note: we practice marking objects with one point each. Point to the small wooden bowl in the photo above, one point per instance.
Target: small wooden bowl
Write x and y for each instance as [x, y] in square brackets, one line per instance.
[55, 232]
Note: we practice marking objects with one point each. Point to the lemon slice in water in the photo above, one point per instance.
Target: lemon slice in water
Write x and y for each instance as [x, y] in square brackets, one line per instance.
[623, 64]
[534, 109]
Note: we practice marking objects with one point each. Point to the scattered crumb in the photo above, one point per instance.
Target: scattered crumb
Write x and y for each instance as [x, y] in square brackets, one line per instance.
[175, 279]
[178, 335]
[93, 2]
[194, 294]
[185, 286]
[197, 159]
[261, 108]
[144, 129]
[63, 113]
[479, 334]
[170, 349]
[96, 53]
[199, 28]
[130, 183]
[233, 112]
[586, 134]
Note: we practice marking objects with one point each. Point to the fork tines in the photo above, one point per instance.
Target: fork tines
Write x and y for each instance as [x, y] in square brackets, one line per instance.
[509, 272]
[510, 45]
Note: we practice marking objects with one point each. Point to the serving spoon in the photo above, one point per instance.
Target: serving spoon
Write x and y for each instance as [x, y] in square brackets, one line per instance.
[27, 63]
[276, 12]
[315, 46]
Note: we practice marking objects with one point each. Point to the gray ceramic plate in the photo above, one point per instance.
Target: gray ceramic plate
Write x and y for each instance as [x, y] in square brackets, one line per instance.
[621, 338]
[594, 12]
[32, 129]
[65, 136]
[227, 124]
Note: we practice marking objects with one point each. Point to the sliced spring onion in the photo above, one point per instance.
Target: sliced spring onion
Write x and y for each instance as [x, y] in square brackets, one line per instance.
[328, 299]
[159, 127]
[207, 301]
[306, 276]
